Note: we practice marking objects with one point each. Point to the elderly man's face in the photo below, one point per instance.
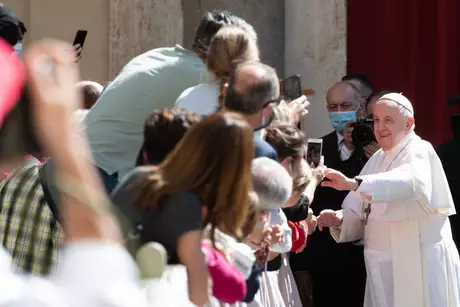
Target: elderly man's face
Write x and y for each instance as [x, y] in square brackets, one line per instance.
[340, 99]
[390, 126]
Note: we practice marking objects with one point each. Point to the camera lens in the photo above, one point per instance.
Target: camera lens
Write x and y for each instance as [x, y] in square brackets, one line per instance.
[362, 134]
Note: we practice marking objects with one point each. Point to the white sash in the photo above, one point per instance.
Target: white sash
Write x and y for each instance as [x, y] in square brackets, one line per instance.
[407, 264]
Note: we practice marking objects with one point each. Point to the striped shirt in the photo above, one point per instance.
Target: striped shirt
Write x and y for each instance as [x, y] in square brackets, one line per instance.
[28, 229]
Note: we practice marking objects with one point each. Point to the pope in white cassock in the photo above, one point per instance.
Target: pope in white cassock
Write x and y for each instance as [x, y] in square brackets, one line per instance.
[399, 206]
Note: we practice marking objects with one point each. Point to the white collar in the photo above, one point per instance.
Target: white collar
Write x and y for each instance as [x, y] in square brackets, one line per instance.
[396, 149]
[339, 138]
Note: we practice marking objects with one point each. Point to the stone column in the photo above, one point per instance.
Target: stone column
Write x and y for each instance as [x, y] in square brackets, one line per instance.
[136, 26]
[315, 47]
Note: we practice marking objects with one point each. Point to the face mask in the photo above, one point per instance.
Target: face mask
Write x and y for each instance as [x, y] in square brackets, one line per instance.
[18, 49]
[339, 119]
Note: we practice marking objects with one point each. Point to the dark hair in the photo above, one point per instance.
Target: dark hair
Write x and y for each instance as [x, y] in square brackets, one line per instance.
[211, 23]
[377, 95]
[10, 29]
[163, 129]
[365, 81]
[203, 164]
[255, 95]
[287, 140]
[90, 92]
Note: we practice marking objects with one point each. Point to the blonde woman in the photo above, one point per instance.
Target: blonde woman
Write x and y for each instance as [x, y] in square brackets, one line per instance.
[229, 47]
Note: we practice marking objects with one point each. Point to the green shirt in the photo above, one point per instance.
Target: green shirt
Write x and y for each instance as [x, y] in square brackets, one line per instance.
[151, 81]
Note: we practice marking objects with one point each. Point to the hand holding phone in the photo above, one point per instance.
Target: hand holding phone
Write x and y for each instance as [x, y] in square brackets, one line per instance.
[79, 42]
[292, 87]
[314, 151]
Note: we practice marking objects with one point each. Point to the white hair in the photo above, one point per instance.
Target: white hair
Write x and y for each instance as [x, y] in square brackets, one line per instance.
[271, 182]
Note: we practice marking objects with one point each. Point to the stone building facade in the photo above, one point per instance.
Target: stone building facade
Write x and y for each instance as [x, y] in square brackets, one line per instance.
[296, 36]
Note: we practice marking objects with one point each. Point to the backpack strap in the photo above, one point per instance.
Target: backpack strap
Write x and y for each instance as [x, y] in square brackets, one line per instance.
[46, 192]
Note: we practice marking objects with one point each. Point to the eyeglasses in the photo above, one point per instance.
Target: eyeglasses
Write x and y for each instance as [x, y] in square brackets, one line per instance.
[275, 101]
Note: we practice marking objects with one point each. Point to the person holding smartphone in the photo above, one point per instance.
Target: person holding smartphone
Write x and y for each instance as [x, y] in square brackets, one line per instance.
[326, 263]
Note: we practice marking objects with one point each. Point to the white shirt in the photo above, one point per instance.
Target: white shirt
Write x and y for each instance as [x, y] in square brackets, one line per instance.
[202, 99]
[345, 152]
[90, 274]
[278, 218]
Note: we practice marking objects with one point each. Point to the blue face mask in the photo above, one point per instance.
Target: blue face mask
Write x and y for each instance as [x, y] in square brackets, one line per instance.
[18, 49]
[339, 119]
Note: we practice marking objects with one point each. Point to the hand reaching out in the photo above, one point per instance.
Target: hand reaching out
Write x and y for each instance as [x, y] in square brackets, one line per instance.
[296, 109]
[312, 222]
[52, 74]
[277, 235]
[338, 181]
[329, 218]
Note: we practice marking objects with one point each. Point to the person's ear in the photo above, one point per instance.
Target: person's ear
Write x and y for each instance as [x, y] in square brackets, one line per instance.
[410, 122]
[223, 90]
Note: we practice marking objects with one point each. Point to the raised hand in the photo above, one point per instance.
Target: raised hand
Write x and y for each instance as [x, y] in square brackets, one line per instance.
[52, 73]
[338, 181]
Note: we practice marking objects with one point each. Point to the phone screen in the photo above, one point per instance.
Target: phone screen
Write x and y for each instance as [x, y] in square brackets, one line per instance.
[292, 87]
[314, 151]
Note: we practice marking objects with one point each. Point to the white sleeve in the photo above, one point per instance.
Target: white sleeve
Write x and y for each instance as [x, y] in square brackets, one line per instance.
[93, 273]
[183, 99]
[412, 179]
[351, 229]
[279, 218]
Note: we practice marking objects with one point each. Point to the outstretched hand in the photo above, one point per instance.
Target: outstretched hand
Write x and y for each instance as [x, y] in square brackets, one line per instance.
[329, 218]
[52, 73]
[338, 181]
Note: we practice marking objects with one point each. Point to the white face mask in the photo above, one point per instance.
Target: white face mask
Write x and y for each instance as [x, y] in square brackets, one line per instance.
[18, 49]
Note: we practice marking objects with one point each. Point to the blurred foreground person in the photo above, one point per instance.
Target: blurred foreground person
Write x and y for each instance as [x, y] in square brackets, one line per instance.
[399, 206]
[94, 270]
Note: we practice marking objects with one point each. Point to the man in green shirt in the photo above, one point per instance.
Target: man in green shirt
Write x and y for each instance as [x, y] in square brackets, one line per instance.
[150, 81]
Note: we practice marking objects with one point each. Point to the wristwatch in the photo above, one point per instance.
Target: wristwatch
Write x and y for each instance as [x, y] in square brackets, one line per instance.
[358, 181]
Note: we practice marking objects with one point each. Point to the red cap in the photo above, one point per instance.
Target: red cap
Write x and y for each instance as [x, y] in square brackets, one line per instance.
[12, 78]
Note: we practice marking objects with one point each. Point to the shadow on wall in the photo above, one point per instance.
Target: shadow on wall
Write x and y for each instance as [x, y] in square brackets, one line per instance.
[266, 16]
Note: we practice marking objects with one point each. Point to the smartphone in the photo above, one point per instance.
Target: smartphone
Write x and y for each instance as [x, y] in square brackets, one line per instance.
[292, 87]
[314, 151]
[80, 39]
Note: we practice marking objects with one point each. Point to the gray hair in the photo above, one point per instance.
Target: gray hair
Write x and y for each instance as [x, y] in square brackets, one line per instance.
[271, 182]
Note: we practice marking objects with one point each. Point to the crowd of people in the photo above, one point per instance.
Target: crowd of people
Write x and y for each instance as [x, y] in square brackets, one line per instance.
[184, 181]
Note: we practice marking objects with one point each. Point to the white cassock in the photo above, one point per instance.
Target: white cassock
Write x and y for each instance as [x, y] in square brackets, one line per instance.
[411, 259]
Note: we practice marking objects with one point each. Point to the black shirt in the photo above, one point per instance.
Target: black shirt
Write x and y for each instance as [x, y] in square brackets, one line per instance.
[169, 219]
